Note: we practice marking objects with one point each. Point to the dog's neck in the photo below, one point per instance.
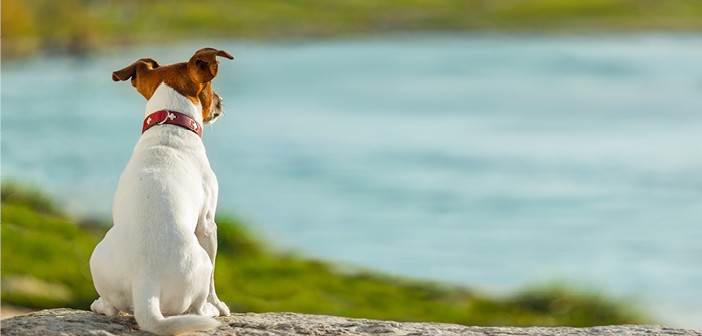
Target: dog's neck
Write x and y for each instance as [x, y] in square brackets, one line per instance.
[166, 98]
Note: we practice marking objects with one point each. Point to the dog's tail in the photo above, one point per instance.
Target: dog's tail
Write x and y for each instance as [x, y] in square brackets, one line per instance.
[147, 312]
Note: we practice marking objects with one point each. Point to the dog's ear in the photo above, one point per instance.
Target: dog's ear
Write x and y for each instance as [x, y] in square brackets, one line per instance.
[133, 69]
[203, 65]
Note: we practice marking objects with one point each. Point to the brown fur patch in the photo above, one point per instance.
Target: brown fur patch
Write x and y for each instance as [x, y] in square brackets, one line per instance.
[191, 79]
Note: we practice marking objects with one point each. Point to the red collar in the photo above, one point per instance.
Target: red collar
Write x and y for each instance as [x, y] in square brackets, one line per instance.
[173, 118]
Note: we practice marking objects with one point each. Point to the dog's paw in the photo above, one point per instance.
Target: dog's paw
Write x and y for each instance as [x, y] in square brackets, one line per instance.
[223, 309]
[100, 306]
[219, 307]
[208, 310]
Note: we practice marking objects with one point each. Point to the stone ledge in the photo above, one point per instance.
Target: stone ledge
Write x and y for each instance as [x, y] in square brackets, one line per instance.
[70, 322]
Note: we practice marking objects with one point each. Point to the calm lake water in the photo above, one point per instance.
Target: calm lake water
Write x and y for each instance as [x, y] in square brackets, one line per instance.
[494, 162]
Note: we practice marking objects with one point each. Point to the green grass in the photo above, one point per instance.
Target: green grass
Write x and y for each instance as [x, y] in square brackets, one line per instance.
[40, 243]
[79, 26]
[45, 264]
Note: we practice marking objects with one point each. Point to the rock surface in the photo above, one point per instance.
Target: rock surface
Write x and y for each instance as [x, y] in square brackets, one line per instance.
[77, 322]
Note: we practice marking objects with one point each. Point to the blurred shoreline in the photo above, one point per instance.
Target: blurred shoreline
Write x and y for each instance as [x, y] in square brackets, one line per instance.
[71, 27]
[253, 277]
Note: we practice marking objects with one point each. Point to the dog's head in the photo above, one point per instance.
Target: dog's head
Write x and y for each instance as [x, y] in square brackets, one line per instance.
[191, 79]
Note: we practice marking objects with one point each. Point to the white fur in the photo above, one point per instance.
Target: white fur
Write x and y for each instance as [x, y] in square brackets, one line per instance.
[165, 98]
[158, 258]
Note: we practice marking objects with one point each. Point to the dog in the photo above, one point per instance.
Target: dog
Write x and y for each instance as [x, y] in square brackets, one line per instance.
[158, 257]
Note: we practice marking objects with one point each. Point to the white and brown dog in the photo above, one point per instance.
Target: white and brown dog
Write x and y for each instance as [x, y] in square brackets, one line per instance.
[158, 258]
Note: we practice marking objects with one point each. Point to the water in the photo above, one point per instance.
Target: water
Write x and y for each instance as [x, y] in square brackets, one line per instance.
[495, 162]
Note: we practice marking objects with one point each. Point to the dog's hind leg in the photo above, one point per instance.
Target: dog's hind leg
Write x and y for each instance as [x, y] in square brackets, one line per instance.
[101, 306]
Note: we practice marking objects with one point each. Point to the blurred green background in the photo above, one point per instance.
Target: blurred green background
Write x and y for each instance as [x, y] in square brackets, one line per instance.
[45, 264]
[79, 26]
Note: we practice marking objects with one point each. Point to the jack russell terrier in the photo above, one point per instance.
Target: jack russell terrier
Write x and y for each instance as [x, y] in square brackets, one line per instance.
[158, 258]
